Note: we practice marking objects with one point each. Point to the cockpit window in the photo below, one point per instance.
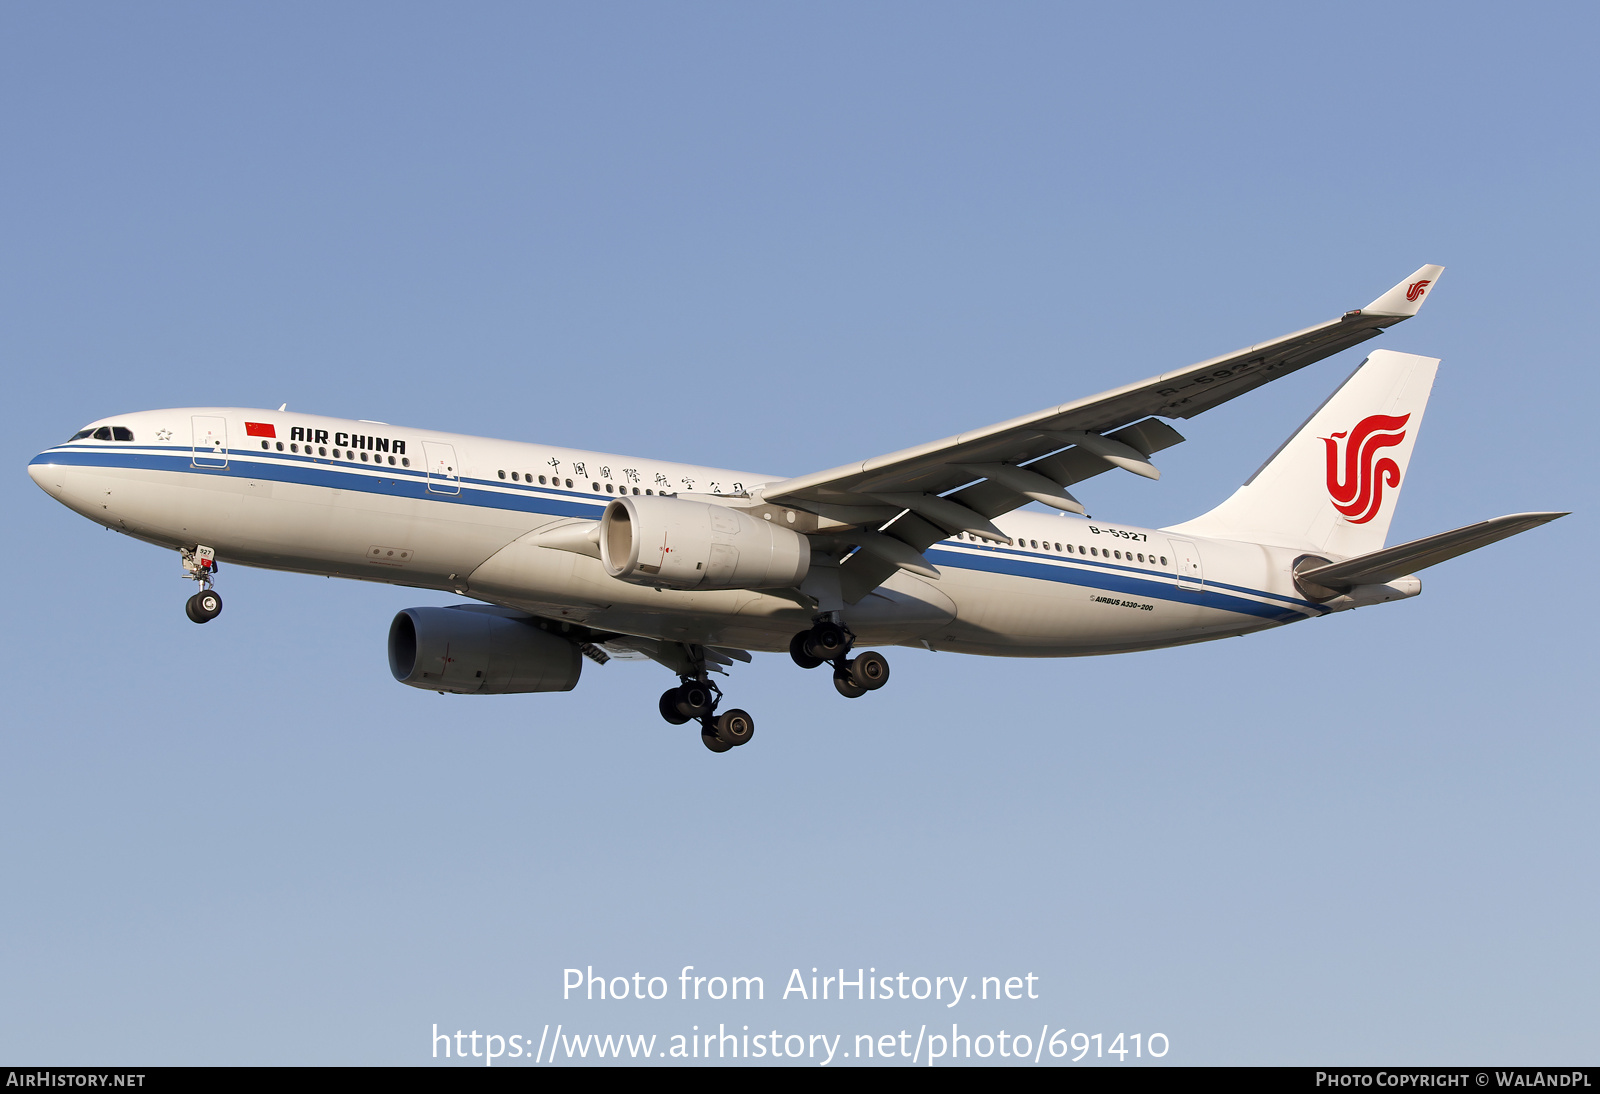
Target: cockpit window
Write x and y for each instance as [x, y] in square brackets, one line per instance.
[104, 433]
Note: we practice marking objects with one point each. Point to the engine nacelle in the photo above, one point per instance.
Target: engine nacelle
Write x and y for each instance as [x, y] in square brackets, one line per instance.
[479, 651]
[685, 544]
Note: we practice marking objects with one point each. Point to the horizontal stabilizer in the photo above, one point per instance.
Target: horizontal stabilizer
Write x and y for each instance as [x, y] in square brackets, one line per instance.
[1383, 566]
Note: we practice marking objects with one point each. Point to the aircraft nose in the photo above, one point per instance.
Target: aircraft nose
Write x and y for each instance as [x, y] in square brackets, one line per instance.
[41, 471]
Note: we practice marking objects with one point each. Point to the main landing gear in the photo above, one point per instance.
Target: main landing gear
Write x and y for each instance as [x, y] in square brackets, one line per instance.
[200, 565]
[695, 700]
[829, 642]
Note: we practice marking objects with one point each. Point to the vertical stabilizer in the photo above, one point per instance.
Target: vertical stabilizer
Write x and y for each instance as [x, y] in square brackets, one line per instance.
[1332, 487]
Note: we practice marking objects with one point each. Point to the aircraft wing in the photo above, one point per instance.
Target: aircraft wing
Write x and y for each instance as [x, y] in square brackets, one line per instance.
[960, 483]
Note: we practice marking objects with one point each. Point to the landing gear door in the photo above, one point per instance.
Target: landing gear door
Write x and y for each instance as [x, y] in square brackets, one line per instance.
[210, 441]
[1186, 557]
[444, 474]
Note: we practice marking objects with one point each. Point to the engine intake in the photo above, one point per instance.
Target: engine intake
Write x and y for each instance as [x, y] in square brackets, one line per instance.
[474, 650]
[685, 544]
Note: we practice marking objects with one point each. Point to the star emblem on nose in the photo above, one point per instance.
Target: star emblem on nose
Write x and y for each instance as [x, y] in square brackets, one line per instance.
[164, 435]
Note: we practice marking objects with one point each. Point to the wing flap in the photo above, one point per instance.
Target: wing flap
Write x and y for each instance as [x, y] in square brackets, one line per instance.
[990, 498]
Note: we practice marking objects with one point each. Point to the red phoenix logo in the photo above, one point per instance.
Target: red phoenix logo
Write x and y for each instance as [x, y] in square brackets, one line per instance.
[1357, 487]
[1416, 289]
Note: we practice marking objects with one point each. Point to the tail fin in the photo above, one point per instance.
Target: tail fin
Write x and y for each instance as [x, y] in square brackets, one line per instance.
[1332, 487]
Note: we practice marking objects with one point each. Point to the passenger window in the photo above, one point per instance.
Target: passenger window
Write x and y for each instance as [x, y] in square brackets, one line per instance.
[502, 474]
[1058, 548]
[121, 433]
[647, 490]
[280, 446]
[363, 457]
[405, 461]
[391, 461]
[569, 484]
[1092, 551]
[264, 446]
[322, 451]
[103, 433]
[610, 489]
[595, 486]
[294, 448]
[1163, 560]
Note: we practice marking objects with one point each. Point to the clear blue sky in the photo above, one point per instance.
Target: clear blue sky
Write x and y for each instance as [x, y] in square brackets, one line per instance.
[782, 237]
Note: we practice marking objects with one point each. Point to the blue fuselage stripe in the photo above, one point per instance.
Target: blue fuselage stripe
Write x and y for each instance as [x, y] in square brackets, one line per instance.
[413, 483]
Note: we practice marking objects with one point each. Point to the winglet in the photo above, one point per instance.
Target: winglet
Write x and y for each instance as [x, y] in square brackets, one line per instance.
[1406, 298]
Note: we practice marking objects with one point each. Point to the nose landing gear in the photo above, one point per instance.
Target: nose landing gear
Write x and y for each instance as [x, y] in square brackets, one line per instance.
[829, 642]
[203, 606]
[200, 565]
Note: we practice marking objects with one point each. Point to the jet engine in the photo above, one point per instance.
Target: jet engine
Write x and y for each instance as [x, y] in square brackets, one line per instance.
[473, 650]
[686, 544]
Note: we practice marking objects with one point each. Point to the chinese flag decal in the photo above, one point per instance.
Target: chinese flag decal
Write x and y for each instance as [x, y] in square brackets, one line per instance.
[260, 429]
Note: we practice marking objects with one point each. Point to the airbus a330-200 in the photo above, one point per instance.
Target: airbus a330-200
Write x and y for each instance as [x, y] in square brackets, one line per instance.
[572, 556]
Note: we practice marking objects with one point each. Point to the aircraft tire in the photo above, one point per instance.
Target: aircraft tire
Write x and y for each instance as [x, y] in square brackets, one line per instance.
[694, 701]
[714, 743]
[190, 610]
[847, 687]
[736, 727]
[870, 670]
[827, 641]
[207, 605]
[669, 707]
[797, 651]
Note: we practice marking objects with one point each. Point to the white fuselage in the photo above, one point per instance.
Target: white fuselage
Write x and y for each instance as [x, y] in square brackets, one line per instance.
[450, 512]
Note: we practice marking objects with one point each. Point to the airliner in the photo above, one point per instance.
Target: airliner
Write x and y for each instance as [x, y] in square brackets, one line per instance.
[569, 556]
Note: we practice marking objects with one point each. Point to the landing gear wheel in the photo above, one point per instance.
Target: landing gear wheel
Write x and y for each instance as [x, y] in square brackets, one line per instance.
[695, 701]
[203, 606]
[870, 670]
[827, 641]
[846, 686]
[797, 651]
[735, 727]
[669, 707]
[714, 743]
